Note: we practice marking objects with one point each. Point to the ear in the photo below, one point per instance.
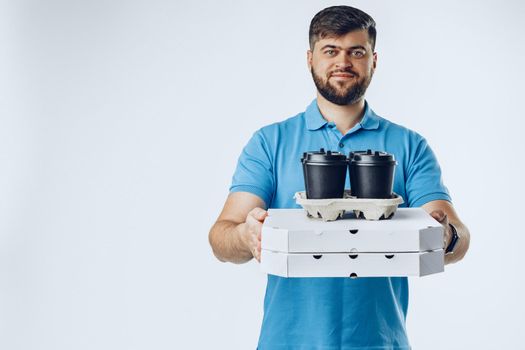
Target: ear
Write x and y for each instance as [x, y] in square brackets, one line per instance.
[374, 63]
[309, 56]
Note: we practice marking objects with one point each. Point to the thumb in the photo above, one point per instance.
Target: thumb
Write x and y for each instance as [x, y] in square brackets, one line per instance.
[259, 213]
[438, 214]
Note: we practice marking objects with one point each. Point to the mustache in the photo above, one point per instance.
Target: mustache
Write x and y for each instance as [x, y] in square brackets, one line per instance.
[346, 70]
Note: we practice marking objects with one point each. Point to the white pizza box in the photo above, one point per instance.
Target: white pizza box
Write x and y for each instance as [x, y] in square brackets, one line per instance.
[352, 265]
[409, 230]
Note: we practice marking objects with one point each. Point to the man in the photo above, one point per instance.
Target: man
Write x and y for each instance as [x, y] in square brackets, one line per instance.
[332, 313]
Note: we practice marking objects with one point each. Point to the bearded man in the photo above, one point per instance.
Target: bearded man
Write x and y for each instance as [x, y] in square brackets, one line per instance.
[332, 313]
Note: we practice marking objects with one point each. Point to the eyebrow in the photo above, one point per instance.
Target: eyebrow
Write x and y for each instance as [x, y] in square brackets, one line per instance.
[340, 48]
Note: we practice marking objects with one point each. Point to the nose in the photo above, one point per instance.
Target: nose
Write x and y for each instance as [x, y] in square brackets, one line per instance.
[343, 60]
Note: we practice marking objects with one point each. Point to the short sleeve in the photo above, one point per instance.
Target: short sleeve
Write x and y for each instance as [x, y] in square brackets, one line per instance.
[254, 172]
[424, 182]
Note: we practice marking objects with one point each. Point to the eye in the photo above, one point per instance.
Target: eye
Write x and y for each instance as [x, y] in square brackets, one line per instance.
[358, 53]
[330, 52]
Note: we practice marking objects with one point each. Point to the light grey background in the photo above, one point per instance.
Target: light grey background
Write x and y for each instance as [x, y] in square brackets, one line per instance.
[120, 127]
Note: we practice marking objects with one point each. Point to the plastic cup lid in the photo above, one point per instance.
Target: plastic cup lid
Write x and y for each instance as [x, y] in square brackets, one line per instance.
[322, 157]
[370, 156]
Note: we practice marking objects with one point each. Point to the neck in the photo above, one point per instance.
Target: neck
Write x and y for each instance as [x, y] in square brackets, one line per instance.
[344, 117]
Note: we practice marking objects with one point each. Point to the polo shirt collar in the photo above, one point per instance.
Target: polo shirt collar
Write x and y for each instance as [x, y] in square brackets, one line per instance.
[315, 120]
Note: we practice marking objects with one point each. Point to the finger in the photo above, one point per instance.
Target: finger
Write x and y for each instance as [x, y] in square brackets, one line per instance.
[253, 223]
[444, 221]
[259, 214]
[438, 214]
[447, 236]
[441, 217]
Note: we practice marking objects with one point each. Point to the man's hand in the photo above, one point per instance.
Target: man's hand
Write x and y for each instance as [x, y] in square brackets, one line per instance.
[252, 231]
[442, 218]
[444, 212]
[236, 235]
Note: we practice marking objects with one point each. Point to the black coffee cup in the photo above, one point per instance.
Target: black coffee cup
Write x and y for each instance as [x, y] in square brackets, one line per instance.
[371, 174]
[324, 174]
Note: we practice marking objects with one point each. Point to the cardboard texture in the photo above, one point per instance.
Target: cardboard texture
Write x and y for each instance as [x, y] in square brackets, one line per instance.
[334, 208]
[410, 230]
[352, 265]
[294, 245]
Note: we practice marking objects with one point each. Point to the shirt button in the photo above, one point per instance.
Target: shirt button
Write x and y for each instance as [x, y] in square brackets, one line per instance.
[341, 145]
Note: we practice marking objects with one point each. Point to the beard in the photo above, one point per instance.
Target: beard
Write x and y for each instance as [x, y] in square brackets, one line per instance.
[338, 93]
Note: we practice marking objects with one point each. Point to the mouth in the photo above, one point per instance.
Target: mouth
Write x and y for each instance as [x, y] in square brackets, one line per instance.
[342, 76]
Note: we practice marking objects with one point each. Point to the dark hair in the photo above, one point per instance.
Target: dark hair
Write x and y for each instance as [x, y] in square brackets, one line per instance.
[336, 21]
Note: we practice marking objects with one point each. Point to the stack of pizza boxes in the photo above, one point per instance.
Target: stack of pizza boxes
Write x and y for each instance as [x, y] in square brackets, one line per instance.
[409, 243]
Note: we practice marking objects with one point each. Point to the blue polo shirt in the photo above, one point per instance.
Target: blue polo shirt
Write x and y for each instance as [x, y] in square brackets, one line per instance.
[334, 313]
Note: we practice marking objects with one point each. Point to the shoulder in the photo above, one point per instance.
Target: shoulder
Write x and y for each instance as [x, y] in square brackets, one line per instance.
[293, 122]
[272, 133]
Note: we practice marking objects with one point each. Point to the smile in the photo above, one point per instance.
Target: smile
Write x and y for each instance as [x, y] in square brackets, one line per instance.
[342, 76]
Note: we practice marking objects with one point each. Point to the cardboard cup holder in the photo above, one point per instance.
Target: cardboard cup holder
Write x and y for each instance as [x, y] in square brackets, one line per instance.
[334, 208]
